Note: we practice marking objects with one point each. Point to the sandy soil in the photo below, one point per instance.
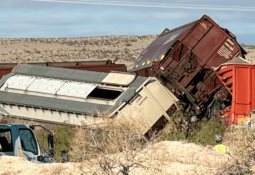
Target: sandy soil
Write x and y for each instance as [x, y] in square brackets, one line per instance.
[251, 53]
[123, 49]
[161, 158]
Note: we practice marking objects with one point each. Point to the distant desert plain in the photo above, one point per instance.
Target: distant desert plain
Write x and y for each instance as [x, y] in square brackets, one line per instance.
[122, 49]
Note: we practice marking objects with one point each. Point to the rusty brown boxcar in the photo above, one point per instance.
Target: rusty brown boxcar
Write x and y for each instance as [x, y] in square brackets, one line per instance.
[183, 58]
[100, 66]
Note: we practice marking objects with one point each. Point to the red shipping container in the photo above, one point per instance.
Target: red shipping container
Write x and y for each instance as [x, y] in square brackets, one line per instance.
[239, 80]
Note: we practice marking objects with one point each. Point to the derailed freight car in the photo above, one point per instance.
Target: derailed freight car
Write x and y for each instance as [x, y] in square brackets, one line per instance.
[183, 58]
[75, 97]
[100, 66]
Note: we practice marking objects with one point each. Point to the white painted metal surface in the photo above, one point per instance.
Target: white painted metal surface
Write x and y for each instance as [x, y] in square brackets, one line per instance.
[76, 89]
[20, 82]
[48, 116]
[149, 106]
[121, 79]
[45, 85]
[54, 87]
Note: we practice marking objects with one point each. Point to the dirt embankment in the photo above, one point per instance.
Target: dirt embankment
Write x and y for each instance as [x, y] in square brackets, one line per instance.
[161, 158]
[251, 53]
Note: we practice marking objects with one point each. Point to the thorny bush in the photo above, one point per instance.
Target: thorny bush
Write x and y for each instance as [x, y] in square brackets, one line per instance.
[112, 137]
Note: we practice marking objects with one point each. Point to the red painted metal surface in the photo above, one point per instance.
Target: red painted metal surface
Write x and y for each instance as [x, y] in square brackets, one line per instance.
[100, 66]
[239, 80]
[183, 59]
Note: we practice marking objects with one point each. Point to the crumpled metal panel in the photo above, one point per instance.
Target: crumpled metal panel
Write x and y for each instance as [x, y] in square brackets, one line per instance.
[158, 49]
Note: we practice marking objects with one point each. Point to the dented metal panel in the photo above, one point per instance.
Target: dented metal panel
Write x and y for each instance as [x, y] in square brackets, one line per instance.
[159, 48]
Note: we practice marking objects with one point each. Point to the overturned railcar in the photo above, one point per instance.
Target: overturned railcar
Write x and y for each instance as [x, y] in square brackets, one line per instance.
[182, 58]
[74, 97]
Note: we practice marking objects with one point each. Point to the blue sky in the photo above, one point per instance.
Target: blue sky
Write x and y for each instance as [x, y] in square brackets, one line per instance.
[78, 18]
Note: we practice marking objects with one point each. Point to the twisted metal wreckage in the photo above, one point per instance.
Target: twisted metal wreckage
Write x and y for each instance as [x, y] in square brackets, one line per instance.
[198, 65]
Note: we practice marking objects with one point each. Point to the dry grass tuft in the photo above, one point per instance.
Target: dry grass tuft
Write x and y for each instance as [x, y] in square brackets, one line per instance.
[113, 137]
[113, 147]
[241, 141]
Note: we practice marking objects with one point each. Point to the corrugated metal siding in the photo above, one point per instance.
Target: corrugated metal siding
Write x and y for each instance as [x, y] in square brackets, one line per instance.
[239, 80]
[53, 103]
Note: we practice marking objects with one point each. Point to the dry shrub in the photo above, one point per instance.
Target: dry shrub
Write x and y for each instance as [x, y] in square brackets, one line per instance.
[113, 137]
[111, 147]
[241, 141]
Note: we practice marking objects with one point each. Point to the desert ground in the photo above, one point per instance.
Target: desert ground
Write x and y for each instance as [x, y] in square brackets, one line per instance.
[158, 158]
[161, 158]
[122, 49]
